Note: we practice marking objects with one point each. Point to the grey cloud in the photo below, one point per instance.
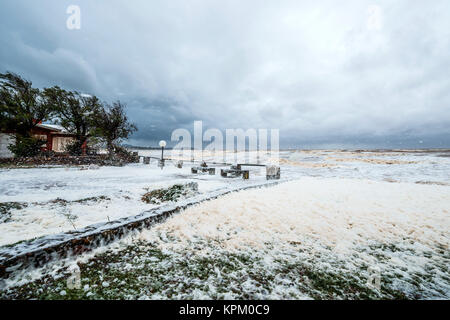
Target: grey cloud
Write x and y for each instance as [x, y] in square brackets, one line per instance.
[313, 70]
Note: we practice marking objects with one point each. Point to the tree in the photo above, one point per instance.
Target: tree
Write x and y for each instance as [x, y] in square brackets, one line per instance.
[112, 125]
[22, 108]
[74, 111]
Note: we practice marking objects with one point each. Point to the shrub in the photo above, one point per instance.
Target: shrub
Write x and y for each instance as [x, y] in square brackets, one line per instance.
[122, 152]
[26, 146]
[173, 193]
[74, 148]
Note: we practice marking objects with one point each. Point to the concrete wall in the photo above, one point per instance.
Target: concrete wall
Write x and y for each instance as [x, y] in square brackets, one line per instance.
[5, 141]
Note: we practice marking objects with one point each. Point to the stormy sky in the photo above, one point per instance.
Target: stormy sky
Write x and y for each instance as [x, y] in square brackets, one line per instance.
[343, 74]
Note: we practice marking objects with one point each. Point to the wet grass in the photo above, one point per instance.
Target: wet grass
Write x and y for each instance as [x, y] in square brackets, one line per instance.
[172, 193]
[142, 270]
[6, 207]
[64, 202]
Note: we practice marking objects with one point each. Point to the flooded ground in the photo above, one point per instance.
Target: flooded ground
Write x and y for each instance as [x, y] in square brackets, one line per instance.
[342, 221]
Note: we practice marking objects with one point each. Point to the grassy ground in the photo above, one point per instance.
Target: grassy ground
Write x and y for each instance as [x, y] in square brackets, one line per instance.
[142, 270]
[6, 207]
[233, 249]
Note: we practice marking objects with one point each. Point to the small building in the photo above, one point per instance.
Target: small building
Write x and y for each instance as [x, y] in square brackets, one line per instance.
[56, 137]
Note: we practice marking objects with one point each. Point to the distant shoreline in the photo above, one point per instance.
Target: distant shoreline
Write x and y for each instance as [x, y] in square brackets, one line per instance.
[425, 150]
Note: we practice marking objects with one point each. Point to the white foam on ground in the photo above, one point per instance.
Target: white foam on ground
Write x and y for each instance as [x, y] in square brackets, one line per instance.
[125, 185]
[339, 212]
[329, 219]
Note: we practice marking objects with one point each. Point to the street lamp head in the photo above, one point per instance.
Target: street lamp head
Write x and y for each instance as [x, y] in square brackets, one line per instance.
[162, 143]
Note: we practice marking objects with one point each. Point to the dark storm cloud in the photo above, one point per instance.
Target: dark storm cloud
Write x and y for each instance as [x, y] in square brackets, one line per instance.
[349, 73]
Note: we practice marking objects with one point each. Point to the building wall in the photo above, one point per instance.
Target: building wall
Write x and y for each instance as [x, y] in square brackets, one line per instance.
[5, 141]
[45, 135]
[55, 143]
[59, 143]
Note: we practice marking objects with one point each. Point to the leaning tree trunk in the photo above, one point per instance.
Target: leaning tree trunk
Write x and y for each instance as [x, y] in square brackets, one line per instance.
[110, 147]
[81, 140]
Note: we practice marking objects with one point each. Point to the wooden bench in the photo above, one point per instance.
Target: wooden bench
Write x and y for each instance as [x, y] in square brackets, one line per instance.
[233, 173]
[272, 171]
[240, 165]
[210, 171]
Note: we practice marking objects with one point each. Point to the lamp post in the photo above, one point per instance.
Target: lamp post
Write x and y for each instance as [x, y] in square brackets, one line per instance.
[162, 144]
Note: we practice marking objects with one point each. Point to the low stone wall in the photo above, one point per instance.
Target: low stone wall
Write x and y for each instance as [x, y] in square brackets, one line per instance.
[101, 160]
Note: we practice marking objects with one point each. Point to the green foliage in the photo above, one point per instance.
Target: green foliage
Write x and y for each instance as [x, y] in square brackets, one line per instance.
[74, 111]
[26, 146]
[112, 125]
[172, 193]
[22, 107]
[6, 207]
[74, 148]
[122, 152]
